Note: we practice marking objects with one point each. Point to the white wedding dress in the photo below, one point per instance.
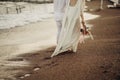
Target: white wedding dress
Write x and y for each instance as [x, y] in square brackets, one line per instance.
[70, 33]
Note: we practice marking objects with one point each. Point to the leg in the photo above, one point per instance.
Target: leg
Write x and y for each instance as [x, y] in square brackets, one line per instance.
[59, 26]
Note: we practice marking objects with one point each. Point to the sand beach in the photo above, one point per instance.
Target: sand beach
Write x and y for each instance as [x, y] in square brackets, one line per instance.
[25, 50]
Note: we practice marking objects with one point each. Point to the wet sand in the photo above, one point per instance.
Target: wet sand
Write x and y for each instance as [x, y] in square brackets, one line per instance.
[97, 59]
[21, 40]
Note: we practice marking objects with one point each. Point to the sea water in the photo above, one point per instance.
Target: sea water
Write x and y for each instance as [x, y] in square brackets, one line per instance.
[31, 13]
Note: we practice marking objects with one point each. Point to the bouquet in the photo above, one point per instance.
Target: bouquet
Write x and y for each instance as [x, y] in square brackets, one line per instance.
[84, 33]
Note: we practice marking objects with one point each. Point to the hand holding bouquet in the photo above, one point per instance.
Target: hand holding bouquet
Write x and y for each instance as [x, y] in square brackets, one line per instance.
[85, 32]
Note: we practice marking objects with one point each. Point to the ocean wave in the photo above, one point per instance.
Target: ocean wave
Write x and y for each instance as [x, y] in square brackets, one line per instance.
[38, 13]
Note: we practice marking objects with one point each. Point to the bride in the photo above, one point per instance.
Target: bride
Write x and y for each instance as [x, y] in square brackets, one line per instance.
[71, 25]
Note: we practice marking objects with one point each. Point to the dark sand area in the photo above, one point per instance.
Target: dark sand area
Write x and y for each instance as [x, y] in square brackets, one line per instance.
[95, 60]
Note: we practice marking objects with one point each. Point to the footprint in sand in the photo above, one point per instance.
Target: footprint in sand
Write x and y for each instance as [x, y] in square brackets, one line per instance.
[22, 77]
[26, 75]
[105, 71]
[52, 64]
[36, 69]
[106, 68]
[16, 59]
[46, 58]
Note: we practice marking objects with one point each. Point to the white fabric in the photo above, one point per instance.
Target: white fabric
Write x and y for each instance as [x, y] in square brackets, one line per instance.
[59, 27]
[70, 33]
[59, 9]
